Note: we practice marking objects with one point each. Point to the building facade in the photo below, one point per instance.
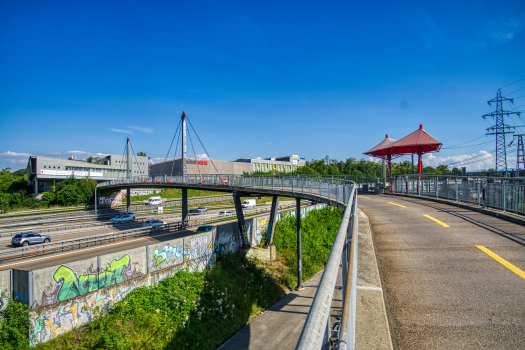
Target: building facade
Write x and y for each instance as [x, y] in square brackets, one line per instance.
[43, 172]
[206, 166]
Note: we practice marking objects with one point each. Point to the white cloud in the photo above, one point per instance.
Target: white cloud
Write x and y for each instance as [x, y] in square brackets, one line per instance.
[14, 157]
[202, 156]
[503, 31]
[141, 129]
[123, 131]
[481, 160]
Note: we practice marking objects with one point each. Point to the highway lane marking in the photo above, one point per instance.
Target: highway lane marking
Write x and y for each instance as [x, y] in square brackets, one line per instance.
[502, 261]
[363, 197]
[399, 205]
[86, 250]
[436, 220]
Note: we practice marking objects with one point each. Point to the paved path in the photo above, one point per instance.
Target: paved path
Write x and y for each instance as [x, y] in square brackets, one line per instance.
[443, 291]
[281, 326]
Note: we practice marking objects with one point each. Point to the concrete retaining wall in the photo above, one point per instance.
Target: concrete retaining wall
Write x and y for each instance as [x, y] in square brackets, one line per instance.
[5, 288]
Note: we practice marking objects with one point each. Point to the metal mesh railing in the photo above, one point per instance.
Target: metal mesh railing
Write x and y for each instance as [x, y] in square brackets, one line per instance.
[503, 193]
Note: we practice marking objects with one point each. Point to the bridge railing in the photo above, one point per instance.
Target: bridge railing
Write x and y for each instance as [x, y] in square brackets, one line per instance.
[507, 194]
[338, 192]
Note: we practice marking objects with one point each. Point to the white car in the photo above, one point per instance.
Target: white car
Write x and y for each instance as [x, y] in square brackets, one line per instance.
[154, 223]
[225, 212]
[202, 209]
[119, 219]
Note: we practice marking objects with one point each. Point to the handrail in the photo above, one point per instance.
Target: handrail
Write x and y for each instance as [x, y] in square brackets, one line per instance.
[314, 331]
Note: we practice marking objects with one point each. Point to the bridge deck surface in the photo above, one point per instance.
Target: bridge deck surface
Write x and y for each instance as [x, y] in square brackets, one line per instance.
[443, 291]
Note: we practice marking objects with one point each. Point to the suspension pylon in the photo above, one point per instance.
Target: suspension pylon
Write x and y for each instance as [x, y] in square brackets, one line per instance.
[500, 130]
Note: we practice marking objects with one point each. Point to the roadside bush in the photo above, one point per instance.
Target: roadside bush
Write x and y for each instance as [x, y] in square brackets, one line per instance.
[318, 231]
[14, 326]
[49, 198]
[70, 195]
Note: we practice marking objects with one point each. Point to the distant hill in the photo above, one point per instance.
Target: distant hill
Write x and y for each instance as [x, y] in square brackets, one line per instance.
[19, 172]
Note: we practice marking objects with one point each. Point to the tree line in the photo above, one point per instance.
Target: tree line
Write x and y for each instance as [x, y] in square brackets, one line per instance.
[352, 166]
[15, 192]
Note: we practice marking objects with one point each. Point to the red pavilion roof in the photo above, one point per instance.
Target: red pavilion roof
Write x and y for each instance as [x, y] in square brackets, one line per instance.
[417, 142]
[381, 149]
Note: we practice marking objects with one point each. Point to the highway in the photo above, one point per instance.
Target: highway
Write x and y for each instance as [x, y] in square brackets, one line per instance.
[34, 262]
[86, 226]
[454, 278]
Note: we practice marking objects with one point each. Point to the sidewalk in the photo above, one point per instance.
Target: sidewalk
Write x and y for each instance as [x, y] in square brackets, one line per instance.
[281, 325]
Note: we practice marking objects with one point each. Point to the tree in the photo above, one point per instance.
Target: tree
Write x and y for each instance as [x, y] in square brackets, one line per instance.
[6, 179]
[89, 159]
[141, 154]
[49, 197]
[87, 187]
[20, 172]
[70, 195]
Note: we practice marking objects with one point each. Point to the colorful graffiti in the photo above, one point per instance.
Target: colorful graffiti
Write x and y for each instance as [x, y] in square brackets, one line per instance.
[3, 302]
[262, 227]
[55, 321]
[73, 286]
[258, 253]
[109, 201]
[168, 254]
[226, 243]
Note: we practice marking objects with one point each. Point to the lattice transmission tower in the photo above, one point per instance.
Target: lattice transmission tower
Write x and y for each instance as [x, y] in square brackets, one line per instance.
[500, 130]
[520, 156]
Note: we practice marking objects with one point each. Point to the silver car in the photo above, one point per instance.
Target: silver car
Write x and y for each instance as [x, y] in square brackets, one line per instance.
[119, 219]
[153, 223]
[27, 238]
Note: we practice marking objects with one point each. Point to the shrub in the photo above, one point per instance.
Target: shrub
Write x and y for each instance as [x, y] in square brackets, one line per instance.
[14, 326]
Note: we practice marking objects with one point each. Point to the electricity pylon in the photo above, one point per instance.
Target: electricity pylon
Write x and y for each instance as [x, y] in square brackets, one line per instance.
[500, 130]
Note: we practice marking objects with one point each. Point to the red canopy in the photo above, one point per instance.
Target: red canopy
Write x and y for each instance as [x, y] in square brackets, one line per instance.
[381, 149]
[418, 142]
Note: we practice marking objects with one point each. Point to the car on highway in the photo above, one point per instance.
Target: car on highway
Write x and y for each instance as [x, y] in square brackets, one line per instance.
[133, 215]
[205, 228]
[154, 223]
[119, 219]
[225, 212]
[202, 209]
[27, 238]
[194, 212]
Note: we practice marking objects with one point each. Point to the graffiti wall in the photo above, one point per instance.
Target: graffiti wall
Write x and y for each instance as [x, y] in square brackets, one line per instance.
[5, 288]
[260, 230]
[198, 251]
[120, 267]
[227, 238]
[60, 318]
[165, 254]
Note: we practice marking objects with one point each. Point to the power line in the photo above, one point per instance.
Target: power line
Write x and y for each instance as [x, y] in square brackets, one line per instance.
[464, 143]
[517, 81]
[516, 91]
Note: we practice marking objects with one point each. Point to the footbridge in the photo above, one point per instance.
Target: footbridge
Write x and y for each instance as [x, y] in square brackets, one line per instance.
[336, 192]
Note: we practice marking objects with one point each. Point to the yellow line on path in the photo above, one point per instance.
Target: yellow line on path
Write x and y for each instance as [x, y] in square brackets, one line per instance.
[399, 205]
[436, 220]
[503, 262]
[363, 197]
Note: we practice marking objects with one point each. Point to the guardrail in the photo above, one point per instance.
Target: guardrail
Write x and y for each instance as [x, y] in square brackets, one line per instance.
[101, 212]
[507, 194]
[83, 242]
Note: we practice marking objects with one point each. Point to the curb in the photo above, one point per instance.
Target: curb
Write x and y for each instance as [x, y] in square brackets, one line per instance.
[372, 325]
[508, 216]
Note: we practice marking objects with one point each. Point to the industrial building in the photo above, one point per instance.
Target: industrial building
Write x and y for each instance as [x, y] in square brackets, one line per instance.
[42, 172]
[239, 167]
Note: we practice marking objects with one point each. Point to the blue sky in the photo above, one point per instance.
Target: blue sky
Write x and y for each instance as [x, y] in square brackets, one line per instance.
[256, 79]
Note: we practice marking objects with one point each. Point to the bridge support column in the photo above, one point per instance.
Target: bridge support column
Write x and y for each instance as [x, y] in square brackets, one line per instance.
[95, 202]
[240, 220]
[299, 251]
[128, 199]
[184, 204]
[273, 217]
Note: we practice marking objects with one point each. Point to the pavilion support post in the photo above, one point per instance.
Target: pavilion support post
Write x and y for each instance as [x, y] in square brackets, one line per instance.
[273, 218]
[240, 219]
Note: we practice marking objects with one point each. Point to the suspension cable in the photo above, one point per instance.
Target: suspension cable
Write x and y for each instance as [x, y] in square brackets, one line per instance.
[135, 155]
[175, 154]
[167, 154]
[194, 154]
[203, 145]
